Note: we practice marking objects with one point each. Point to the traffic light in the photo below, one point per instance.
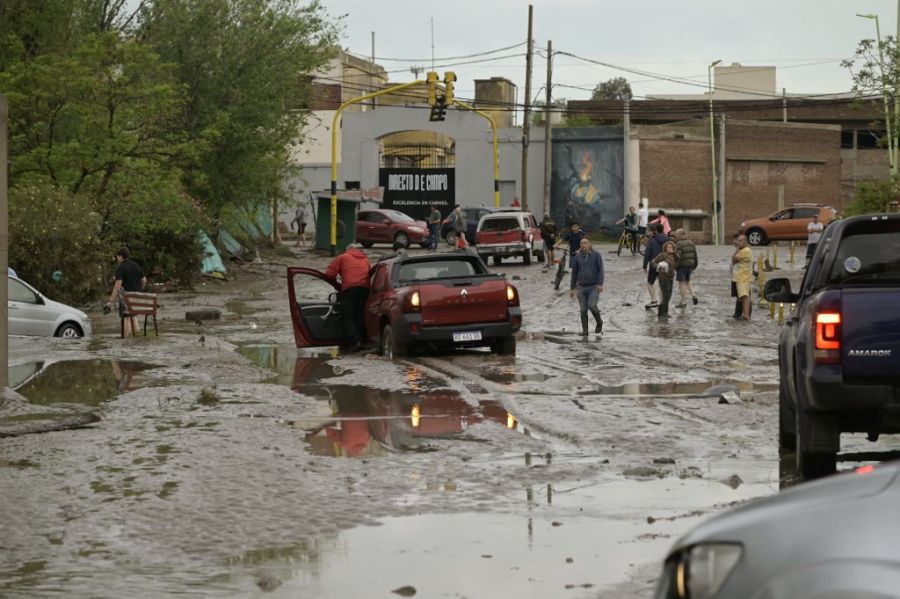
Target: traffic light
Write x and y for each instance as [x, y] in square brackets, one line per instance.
[432, 79]
[438, 109]
[449, 78]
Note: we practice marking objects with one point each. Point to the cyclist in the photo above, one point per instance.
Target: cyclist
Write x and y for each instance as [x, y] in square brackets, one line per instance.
[573, 236]
[630, 220]
[548, 233]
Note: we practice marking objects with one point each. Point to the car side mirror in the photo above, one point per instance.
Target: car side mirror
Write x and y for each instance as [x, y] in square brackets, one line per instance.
[386, 221]
[39, 299]
[779, 291]
[773, 218]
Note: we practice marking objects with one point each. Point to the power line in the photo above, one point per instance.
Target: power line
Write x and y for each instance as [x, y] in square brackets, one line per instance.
[428, 59]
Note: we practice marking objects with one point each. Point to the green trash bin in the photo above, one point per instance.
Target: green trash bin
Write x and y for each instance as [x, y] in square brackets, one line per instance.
[347, 210]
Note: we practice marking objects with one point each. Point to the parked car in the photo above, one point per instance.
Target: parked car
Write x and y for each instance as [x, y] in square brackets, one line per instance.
[389, 226]
[472, 216]
[787, 224]
[839, 353]
[31, 313]
[507, 233]
[442, 300]
[832, 538]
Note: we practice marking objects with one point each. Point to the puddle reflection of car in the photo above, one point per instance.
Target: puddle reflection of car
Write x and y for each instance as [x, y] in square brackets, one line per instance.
[836, 537]
[369, 421]
[441, 300]
[31, 313]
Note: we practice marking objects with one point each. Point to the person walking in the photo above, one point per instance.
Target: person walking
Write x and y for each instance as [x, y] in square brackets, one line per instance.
[654, 248]
[643, 216]
[813, 234]
[742, 275]
[587, 283]
[129, 278]
[548, 234]
[352, 269]
[434, 227]
[665, 265]
[686, 252]
[300, 219]
[458, 221]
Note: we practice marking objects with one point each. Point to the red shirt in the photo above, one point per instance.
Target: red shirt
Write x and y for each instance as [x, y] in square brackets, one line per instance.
[353, 268]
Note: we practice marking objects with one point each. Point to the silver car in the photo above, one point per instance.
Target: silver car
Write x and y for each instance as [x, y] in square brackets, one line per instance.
[836, 537]
[30, 313]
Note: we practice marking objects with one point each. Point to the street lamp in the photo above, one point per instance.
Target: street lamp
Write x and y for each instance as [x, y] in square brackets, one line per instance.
[892, 141]
[712, 153]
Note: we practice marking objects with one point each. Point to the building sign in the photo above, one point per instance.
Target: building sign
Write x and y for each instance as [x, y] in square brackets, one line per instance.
[414, 190]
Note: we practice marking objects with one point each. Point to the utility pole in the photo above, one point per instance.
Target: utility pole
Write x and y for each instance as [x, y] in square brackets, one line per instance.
[4, 247]
[371, 73]
[526, 125]
[896, 142]
[547, 154]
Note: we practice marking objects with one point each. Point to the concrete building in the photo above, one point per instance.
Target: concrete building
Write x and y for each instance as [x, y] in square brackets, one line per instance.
[734, 82]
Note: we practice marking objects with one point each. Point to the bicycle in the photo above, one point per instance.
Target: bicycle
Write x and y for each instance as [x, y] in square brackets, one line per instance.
[561, 269]
[629, 239]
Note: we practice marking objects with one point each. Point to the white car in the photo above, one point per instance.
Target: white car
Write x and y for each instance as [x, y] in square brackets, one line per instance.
[30, 313]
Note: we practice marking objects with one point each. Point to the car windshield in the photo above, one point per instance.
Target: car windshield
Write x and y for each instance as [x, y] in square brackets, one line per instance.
[438, 269]
[869, 252]
[398, 216]
[501, 224]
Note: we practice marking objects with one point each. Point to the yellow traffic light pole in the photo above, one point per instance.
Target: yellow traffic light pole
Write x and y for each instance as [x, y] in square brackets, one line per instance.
[334, 129]
[490, 120]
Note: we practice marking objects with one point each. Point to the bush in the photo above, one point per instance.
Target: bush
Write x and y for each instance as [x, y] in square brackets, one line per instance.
[872, 197]
[52, 230]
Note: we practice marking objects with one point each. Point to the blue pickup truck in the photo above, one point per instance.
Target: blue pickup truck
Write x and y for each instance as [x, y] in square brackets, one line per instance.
[839, 354]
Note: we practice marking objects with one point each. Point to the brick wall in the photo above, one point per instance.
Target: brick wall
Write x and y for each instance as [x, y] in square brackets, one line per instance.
[803, 160]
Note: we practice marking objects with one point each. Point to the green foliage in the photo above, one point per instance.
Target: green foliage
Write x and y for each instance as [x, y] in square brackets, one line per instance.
[51, 229]
[578, 120]
[617, 88]
[874, 72]
[872, 197]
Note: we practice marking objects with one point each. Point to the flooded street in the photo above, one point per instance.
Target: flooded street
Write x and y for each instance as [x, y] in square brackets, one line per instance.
[227, 463]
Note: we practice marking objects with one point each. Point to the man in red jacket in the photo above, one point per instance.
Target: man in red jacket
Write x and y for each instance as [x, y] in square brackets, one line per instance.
[352, 267]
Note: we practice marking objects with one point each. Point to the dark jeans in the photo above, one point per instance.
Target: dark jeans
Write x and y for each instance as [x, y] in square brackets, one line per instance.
[434, 236]
[665, 288]
[353, 310]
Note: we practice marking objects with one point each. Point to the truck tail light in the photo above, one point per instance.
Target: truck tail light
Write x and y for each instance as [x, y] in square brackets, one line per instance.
[828, 337]
[512, 296]
[412, 302]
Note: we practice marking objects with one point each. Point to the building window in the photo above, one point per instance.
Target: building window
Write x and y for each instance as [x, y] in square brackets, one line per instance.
[847, 139]
[866, 138]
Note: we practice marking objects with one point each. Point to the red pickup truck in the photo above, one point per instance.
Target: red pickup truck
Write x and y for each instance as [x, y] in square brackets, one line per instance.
[441, 300]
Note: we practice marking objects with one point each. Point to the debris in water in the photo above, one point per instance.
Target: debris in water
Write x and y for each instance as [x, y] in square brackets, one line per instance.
[730, 397]
[734, 481]
[407, 591]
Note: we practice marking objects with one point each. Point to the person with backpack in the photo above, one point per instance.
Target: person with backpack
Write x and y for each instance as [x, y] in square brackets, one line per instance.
[548, 233]
[686, 251]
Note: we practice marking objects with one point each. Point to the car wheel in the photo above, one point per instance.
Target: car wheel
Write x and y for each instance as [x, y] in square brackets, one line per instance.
[811, 464]
[526, 257]
[402, 238]
[390, 348]
[68, 330]
[367, 244]
[451, 238]
[540, 256]
[756, 237]
[504, 347]
[498, 260]
[787, 426]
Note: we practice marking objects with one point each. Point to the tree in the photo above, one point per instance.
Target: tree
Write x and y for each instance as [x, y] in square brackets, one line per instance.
[613, 89]
[872, 197]
[874, 72]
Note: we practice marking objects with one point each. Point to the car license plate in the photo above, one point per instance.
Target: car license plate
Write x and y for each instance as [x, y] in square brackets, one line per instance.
[467, 336]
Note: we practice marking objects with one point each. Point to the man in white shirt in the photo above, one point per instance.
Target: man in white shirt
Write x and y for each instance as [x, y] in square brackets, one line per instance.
[813, 234]
[643, 216]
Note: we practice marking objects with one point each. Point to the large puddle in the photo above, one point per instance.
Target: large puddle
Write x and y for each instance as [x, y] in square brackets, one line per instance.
[85, 382]
[364, 421]
[572, 541]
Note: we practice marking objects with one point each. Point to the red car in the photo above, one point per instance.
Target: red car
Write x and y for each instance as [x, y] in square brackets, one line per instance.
[440, 300]
[389, 226]
[507, 233]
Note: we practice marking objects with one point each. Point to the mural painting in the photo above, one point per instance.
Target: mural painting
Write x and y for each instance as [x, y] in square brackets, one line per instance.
[587, 182]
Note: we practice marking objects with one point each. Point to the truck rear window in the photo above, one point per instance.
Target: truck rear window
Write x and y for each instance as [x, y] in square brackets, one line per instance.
[501, 224]
[438, 269]
[868, 253]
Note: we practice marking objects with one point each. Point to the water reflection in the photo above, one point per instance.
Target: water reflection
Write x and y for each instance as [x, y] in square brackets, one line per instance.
[87, 382]
[697, 389]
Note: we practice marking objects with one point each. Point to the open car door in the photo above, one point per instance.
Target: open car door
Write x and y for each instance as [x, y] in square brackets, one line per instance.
[315, 309]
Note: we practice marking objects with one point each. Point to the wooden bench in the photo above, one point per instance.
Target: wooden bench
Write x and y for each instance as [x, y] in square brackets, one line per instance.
[139, 304]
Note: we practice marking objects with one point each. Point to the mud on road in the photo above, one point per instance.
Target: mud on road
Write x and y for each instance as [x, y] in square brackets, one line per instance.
[228, 463]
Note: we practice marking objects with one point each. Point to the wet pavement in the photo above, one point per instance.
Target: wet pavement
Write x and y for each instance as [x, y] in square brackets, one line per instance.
[228, 463]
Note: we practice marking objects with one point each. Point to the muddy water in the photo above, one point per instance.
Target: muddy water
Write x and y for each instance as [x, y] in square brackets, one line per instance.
[86, 382]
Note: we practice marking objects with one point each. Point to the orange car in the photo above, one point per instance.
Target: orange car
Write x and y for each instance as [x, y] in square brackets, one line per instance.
[788, 223]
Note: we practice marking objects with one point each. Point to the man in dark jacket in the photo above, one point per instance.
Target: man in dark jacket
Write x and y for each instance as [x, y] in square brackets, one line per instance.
[654, 247]
[548, 234]
[352, 267]
[587, 283]
[686, 252]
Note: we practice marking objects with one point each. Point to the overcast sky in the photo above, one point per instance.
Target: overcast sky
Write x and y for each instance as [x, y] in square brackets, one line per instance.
[804, 39]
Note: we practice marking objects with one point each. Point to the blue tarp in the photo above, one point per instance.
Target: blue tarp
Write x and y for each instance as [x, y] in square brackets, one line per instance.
[212, 261]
